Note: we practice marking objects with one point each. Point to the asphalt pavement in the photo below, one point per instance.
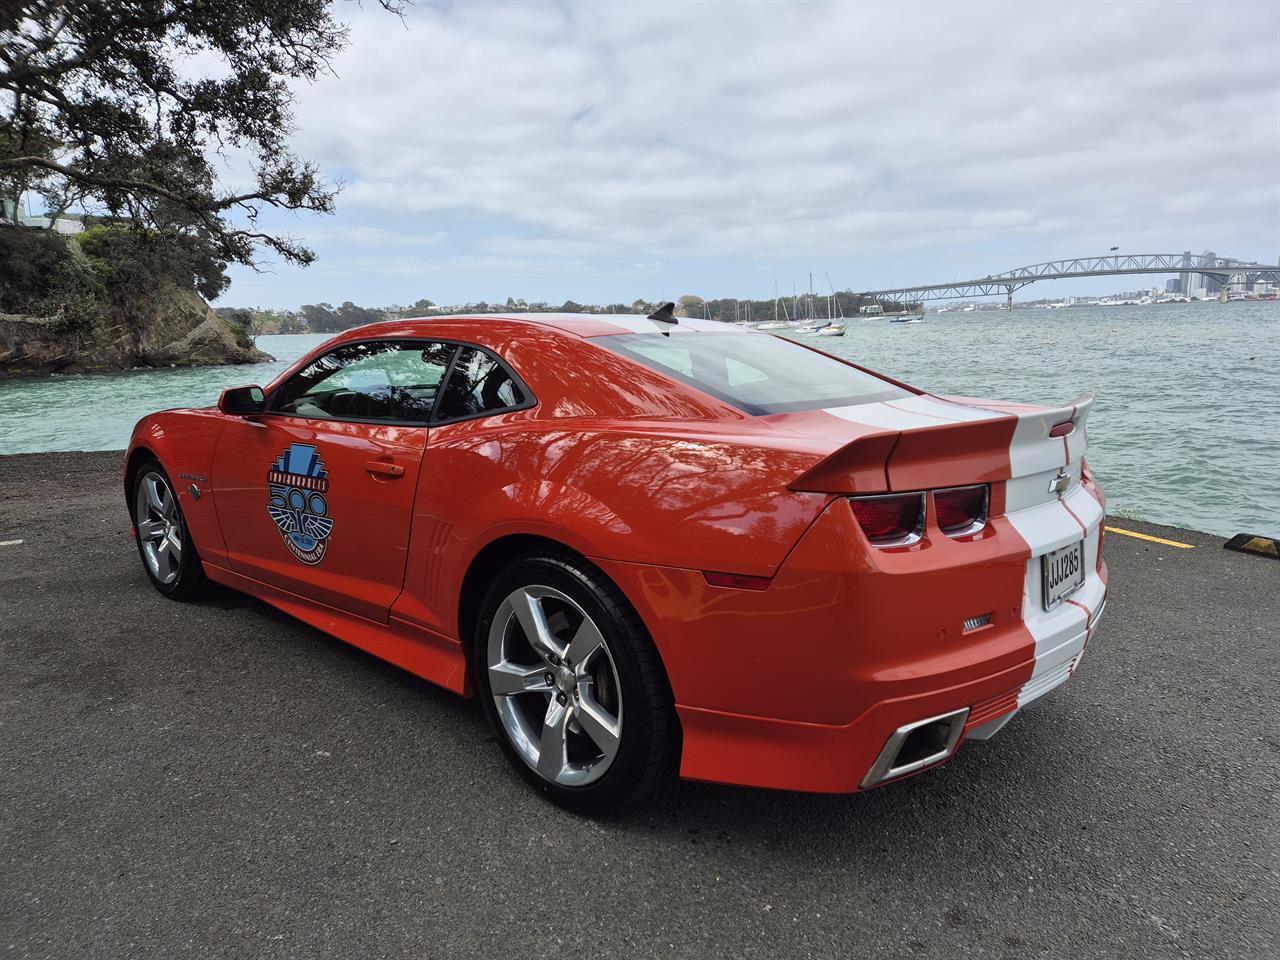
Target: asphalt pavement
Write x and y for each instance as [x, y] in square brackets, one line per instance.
[213, 779]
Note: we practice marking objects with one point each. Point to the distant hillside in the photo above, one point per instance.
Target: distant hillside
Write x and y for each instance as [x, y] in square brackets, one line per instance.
[325, 318]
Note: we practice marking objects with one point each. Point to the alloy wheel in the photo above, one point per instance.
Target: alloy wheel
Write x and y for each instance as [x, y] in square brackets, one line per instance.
[159, 527]
[555, 685]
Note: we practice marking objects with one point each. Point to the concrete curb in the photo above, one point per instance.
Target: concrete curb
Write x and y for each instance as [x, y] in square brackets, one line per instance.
[1248, 543]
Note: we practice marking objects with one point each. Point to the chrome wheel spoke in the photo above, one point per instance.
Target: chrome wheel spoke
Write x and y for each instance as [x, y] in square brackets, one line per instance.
[553, 747]
[586, 641]
[603, 729]
[533, 621]
[151, 529]
[507, 678]
[155, 496]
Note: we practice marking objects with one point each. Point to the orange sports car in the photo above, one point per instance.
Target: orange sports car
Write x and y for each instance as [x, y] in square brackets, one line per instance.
[647, 544]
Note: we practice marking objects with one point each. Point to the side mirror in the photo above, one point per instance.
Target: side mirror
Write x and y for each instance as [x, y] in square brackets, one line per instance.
[242, 401]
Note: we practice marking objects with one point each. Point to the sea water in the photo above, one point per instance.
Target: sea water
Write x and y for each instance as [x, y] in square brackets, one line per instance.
[1186, 429]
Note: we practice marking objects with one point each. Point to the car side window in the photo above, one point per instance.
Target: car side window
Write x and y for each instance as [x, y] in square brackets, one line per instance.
[379, 380]
[479, 384]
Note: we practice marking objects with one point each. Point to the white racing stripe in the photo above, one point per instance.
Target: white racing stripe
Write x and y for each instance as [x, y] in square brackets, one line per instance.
[1059, 634]
[1084, 506]
[1041, 519]
[1078, 440]
[951, 409]
[713, 326]
[1032, 449]
[638, 324]
[1044, 527]
[911, 413]
[1047, 522]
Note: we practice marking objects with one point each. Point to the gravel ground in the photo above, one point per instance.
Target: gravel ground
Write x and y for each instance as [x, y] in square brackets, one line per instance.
[215, 779]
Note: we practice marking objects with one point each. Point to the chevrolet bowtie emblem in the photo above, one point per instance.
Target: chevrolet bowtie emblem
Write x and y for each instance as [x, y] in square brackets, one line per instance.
[1060, 482]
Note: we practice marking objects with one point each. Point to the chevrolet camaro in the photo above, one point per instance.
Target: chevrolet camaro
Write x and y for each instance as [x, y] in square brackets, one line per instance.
[647, 544]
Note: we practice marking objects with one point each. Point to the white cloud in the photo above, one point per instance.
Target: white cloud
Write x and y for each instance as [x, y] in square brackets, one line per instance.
[647, 132]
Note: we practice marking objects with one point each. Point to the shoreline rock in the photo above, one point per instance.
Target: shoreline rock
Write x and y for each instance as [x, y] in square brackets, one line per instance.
[168, 327]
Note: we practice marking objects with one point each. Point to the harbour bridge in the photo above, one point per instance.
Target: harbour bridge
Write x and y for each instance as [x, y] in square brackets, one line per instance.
[1225, 269]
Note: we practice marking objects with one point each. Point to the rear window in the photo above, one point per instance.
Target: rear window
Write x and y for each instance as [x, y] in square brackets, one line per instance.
[755, 373]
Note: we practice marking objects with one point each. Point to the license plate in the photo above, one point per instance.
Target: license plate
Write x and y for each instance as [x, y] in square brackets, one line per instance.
[1063, 572]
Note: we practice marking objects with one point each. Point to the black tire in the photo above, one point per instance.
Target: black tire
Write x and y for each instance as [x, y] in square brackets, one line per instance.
[649, 741]
[180, 579]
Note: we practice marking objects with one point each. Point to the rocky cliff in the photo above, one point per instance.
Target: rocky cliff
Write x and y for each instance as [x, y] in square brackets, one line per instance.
[168, 327]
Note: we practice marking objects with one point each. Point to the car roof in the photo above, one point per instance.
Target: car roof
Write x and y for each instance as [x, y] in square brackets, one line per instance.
[587, 324]
[577, 324]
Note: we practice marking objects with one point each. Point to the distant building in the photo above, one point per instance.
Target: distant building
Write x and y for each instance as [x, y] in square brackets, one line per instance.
[1174, 285]
[1210, 283]
[13, 212]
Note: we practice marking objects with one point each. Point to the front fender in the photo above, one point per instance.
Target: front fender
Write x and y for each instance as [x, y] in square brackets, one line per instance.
[184, 442]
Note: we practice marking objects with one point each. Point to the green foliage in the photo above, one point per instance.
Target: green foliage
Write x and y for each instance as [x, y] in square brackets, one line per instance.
[29, 259]
[241, 322]
[291, 323]
[255, 322]
[77, 294]
[140, 258]
[421, 308]
[75, 280]
[74, 312]
[322, 318]
[101, 106]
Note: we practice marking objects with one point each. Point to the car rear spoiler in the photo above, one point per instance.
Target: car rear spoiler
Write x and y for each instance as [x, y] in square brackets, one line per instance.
[1015, 441]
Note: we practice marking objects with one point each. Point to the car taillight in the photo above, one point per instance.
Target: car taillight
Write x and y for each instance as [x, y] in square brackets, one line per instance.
[961, 510]
[892, 520]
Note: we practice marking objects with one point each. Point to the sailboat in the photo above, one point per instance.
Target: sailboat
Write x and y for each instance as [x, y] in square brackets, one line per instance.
[822, 328]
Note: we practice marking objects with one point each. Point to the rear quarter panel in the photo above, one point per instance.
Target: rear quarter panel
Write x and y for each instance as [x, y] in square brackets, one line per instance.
[612, 491]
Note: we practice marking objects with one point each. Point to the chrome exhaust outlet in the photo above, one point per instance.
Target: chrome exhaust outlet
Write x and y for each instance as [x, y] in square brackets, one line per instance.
[914, 746]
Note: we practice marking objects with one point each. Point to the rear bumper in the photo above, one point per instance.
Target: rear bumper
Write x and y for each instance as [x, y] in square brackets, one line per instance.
[764, 752]
[802, 686]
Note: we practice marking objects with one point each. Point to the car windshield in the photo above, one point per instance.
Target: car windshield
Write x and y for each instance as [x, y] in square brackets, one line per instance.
[756, 373]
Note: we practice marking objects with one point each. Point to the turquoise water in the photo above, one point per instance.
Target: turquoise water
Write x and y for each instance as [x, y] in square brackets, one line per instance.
[1186, 430]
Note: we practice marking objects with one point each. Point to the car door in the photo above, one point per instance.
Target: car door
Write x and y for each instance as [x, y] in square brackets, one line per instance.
[315, 496]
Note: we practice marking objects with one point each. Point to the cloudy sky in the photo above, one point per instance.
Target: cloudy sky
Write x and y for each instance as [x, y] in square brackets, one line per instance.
[607, 151]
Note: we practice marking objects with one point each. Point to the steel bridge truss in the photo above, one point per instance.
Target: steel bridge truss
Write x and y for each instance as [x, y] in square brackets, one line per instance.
[1222, 268]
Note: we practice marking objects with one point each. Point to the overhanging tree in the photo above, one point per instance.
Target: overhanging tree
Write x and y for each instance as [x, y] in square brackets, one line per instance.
[132, 107]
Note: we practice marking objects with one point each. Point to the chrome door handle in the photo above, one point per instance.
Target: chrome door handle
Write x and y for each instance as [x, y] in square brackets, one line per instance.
[383, 468]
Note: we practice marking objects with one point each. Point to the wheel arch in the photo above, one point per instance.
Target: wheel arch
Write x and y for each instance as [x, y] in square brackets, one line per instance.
[490, 559]
[504, 549]
[133, 463]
